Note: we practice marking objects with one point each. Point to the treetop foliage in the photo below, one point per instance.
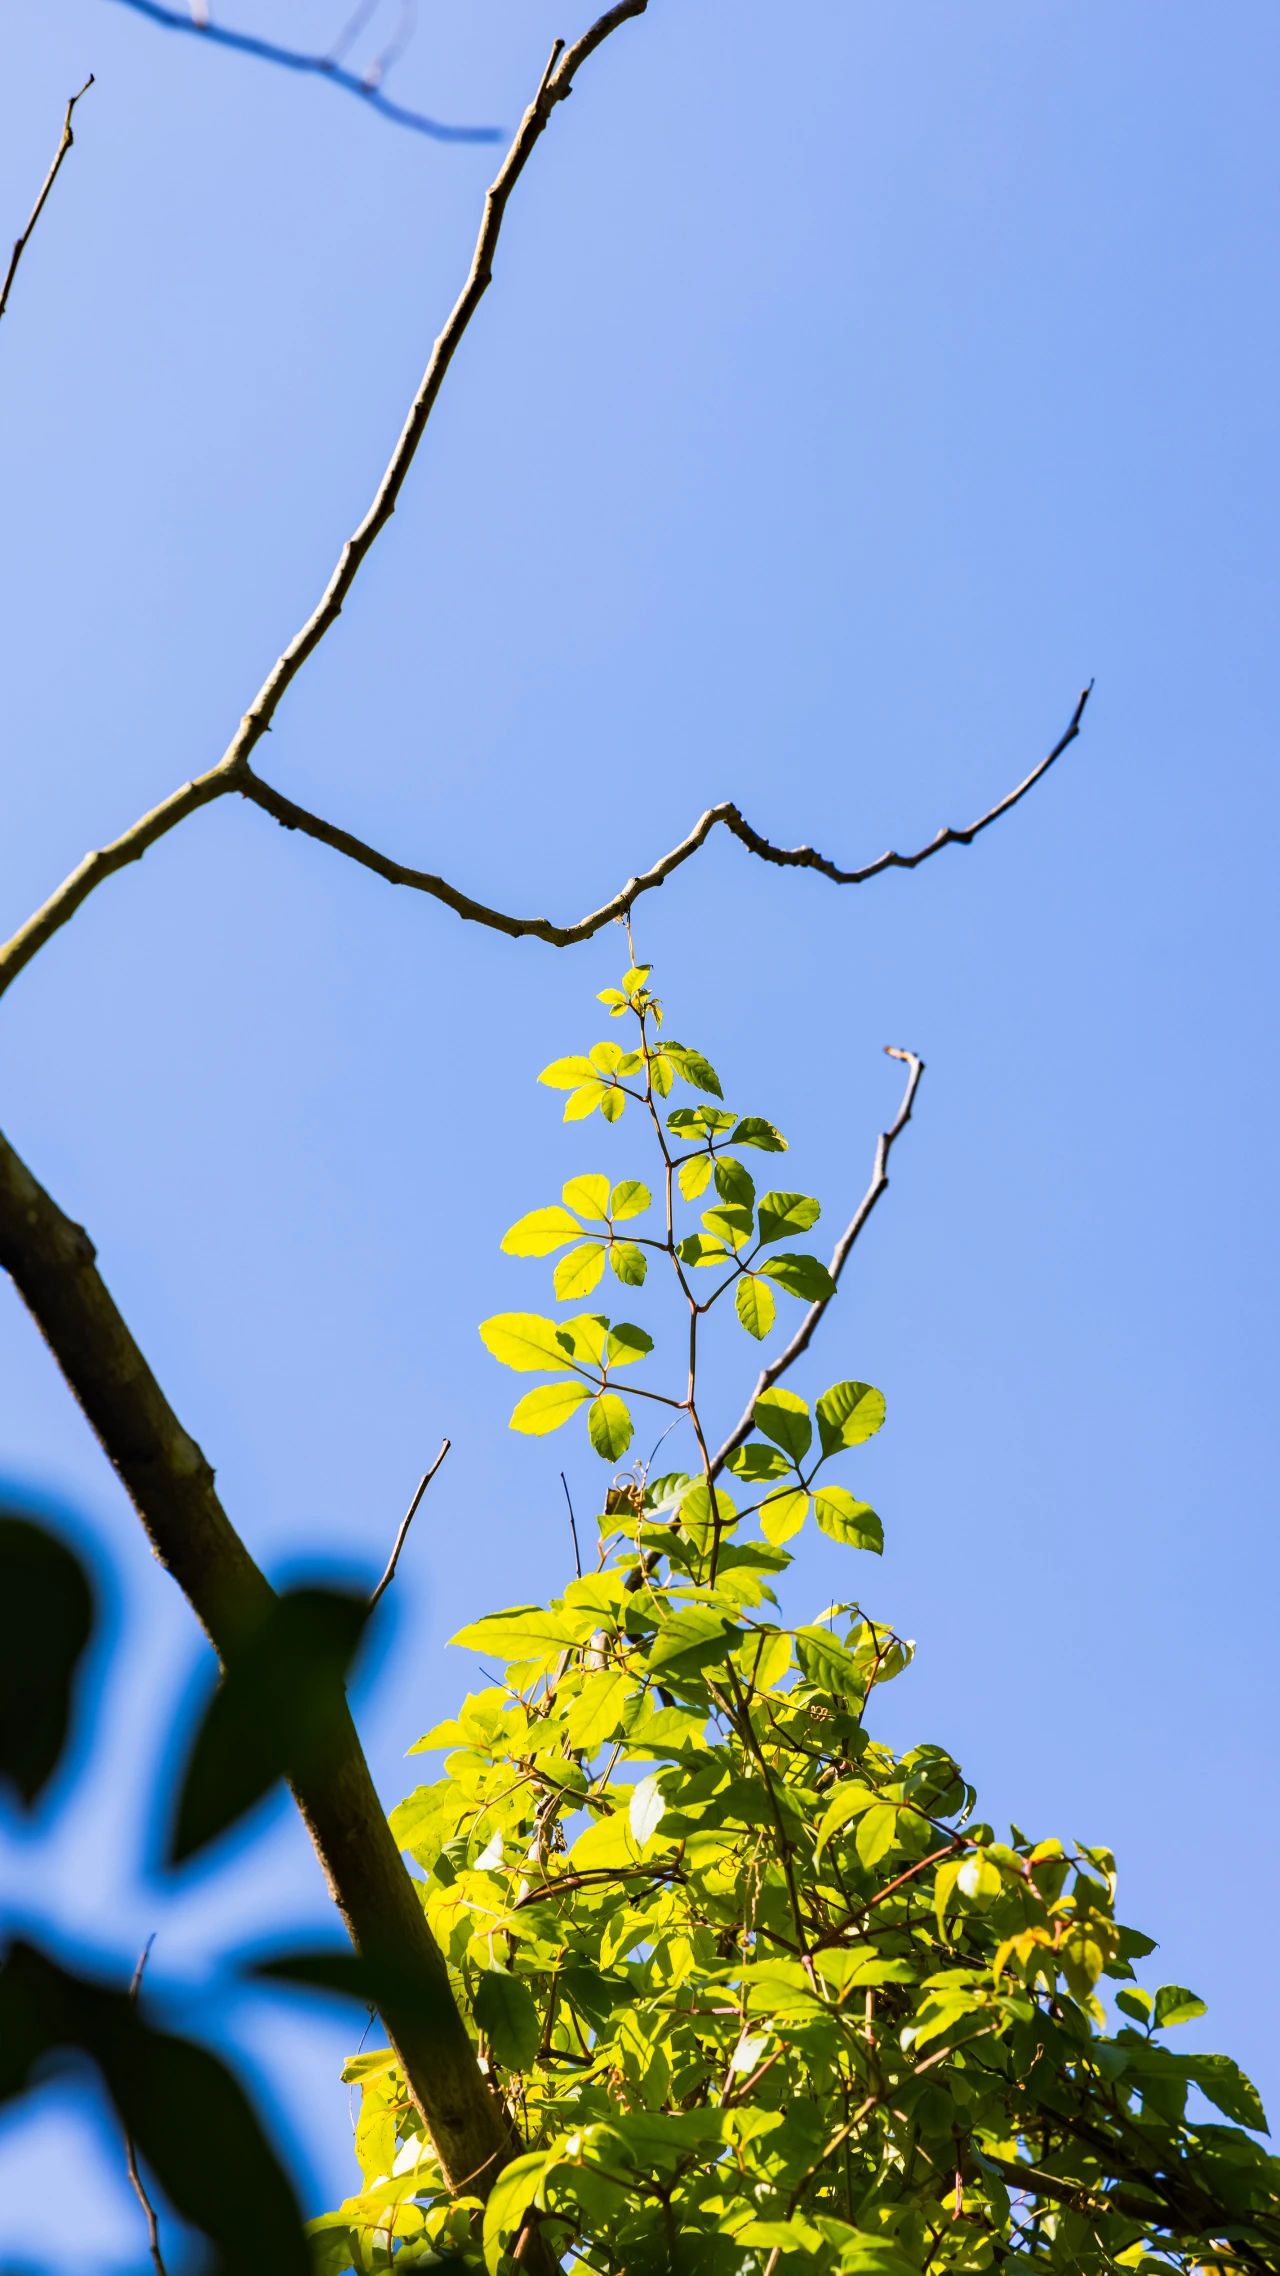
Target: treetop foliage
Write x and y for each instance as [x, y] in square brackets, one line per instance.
[761, 1995]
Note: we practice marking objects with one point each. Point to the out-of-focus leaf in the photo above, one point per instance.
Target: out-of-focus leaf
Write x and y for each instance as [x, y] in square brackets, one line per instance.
[46, 1618]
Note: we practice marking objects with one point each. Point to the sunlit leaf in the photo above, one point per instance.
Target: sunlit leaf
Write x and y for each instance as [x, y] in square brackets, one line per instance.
[844, 1519]
[626, 1343]
[753, 1298]
[647, 1809]
[630, 1264]
[548, 1406]
[784, 1213]
[588, 1195]
[753, 1131]
[540, 1233]
[566, 1074]
[801, 1276]
[694, 1068]
[782, 1515]
[506, 2012]
[584, 1101]
[525, 1341]
[847, 1414]
[783, 1416]
[694, 1176]
[579, 1272]
[629, 1199]
[756, 1461]
[609, 1425]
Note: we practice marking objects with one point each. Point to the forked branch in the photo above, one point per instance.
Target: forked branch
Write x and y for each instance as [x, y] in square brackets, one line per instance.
[232, 771]
[804, 1334]
[20, 243]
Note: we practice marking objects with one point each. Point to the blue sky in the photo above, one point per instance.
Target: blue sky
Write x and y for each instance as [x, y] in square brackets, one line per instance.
[848, 394]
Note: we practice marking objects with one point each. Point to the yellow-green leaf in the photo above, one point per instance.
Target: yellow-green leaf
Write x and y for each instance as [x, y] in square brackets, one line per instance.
[551, 1404]
[589, 1195]
[525, 1341]
[754, 1300]
[577, 1273]
[566, 1074]
[629, 1263]
[585, 1101]
[609, 1425]
[848, 1801]
[694, 1176]
[844, 1519]
[540, 1233]
[847, 1414]
[629, 1199]
[782, 1515]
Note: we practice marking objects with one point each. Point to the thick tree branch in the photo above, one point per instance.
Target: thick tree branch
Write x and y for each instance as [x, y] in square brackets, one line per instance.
[20, 243]
[232, 769]
[319, 66]
[804, 1334]
[171, 1485]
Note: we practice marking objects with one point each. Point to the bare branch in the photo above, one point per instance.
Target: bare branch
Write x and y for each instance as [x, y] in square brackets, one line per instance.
[232, 771]
[573, 1526]
[318, 66]
[405, 1522]
[130, 2152]
[804, 1334]
[291, 816]
[20, 244]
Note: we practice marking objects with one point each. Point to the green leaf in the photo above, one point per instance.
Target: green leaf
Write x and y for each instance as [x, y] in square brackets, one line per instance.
[848, 1801]
[626, 1344]
[694, 1176]
[46, 1619]
[690, 1638]
[522, 1633]
[578, 1273]
[612, 1105]
[847, 1414]
[512, 2193]
[844, 1519]
[784, 1213]
[734, 1183]
[589, 1195]
[540, 1233]
[694, 1068]
[596, 1712]
[505, 2010]
[584, 1336]
[754, 1300]
[630, 1264]
[705, 1120]
[1228, 2089]
[583, 1102]
[729, 1222]
[647, 1809]
[629, 1199]
[784, 1417]
[701, 1248]
[1135, 2002]
[782, 1515]
[566, 1074]
[548, 1406]
[876, 1832]
[801, 1276]
[634, 978]
[1174, 2004]
[610, 1427]
[755, 1461]
[525, 1341]
[754, 1131]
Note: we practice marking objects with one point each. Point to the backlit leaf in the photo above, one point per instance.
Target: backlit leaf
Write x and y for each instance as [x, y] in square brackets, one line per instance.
[847, 1414]
[524, 1340]
[844, 1519]
[540, 1233]
[647, 1809]
[783, 1515]
[694, 1176]
[629, 1199]
[609, 1425]
[753, 1298]
[506, 2012]
[579, 1272]
[785, 1213]
[784, 1417]
[589, 1195]
[630, 1264]
[548, 1405]
[801, 1276]
[754, 1131]
[566, 1074]
[694, 1068]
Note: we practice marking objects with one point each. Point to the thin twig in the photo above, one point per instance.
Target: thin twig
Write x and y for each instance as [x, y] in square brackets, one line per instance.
[573, 1528]
[20, 244]
[804, 1334]
[405, 1522]
[232, 771]
[130, 2154]
[291, 816]
[315, 66]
